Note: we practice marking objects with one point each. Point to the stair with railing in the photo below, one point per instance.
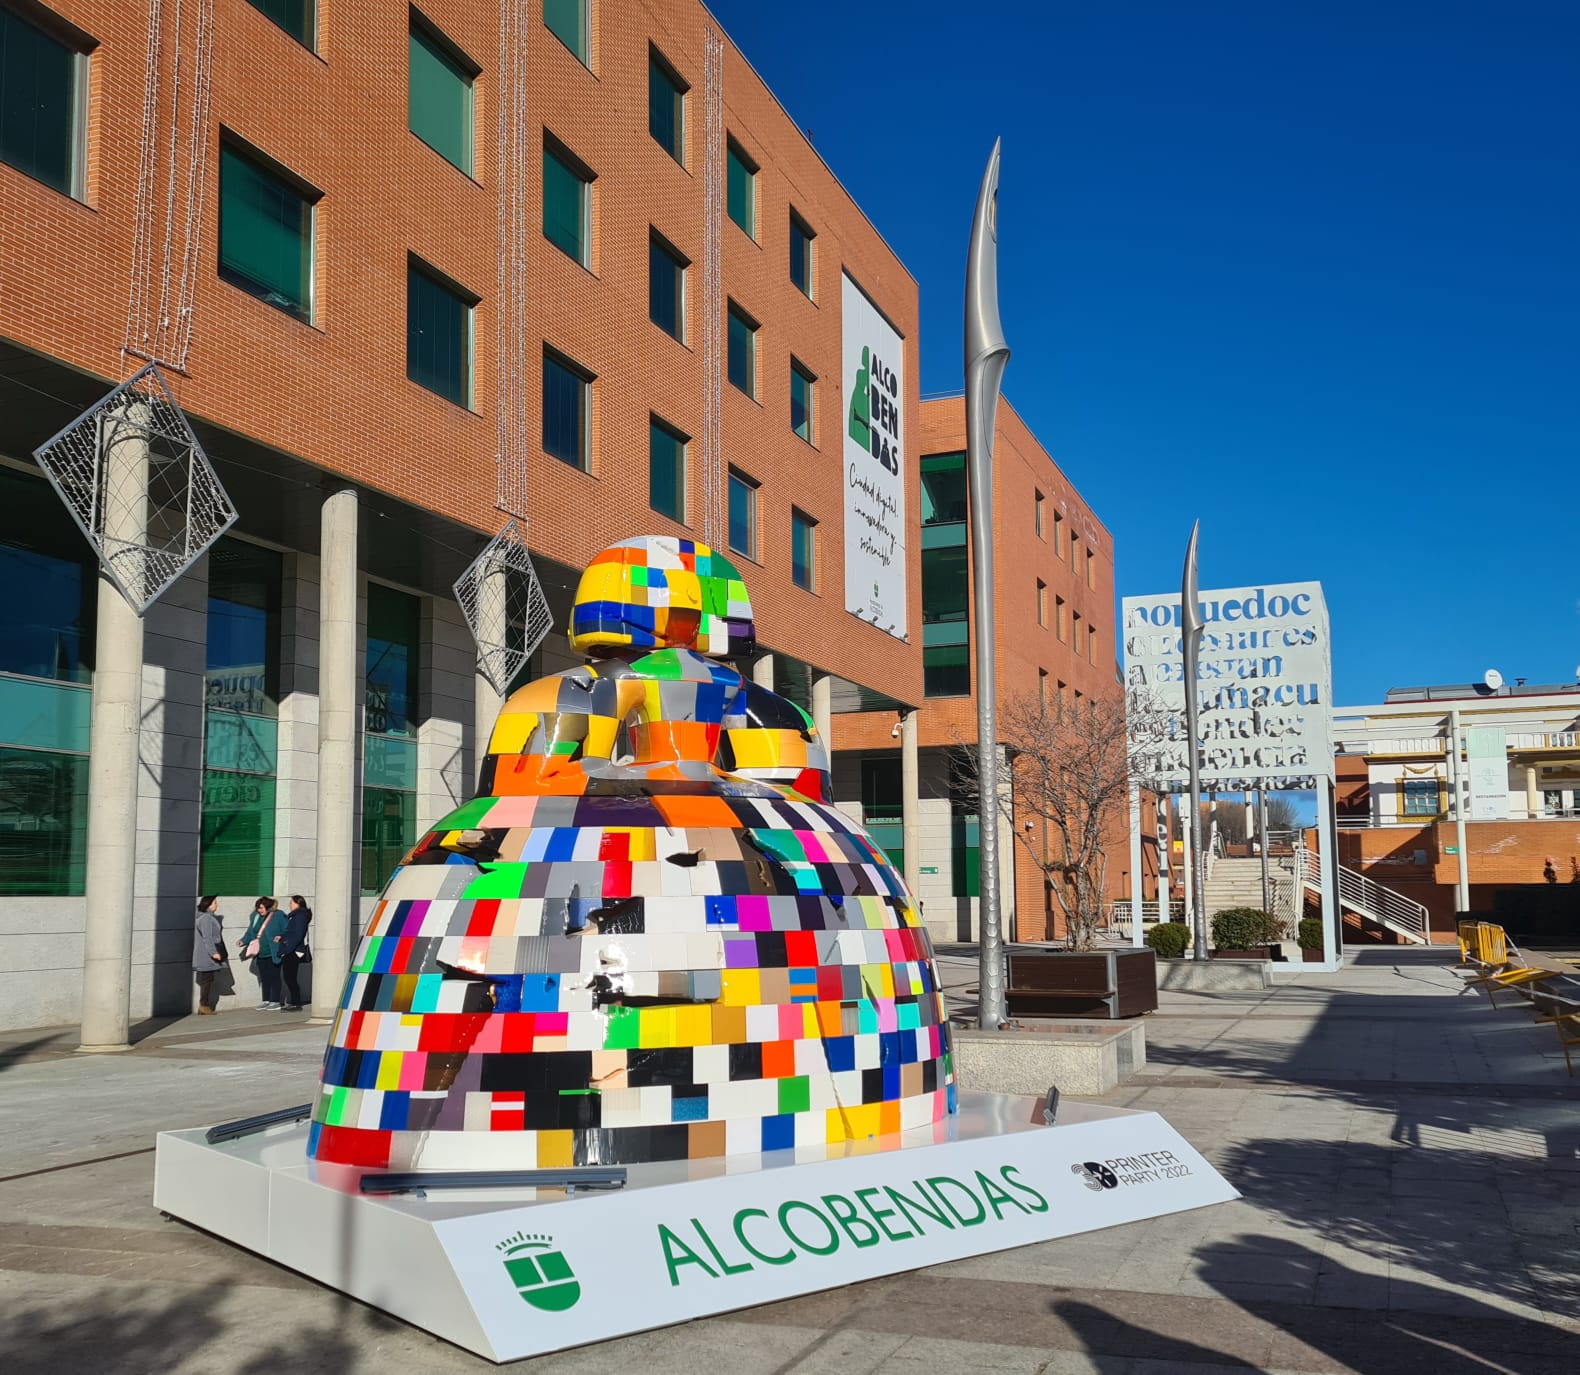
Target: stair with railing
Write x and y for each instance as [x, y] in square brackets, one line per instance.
[1367, 899]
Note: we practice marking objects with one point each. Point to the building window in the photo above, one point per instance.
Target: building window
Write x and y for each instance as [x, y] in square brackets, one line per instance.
[1042, 602]
[1058, 535]
[801, 386]
[666, 470]
[803, 551]
[882, 788]
[389, 747]
[742, 359]
[1420, 797]
[666, 107]
[439, 94]
[946, 584]
[240, 719]
[1037, 508]
[296, 17]
[265, 233]
[43, 92]
[567, 21]
[566, 392]
[567, 188]
[1075, 631]
[801, 255]
[1091, 644]
[741, 184]
[743, 514]
[1060, 618]
[1091, 570]
[46, 647]
[1075, 554]
[943, 489]
[666, 288]
[1042, 690]
[438, 334]
[946, 670]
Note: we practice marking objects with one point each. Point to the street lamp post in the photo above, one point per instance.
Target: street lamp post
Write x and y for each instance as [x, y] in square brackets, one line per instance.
[1191, 628]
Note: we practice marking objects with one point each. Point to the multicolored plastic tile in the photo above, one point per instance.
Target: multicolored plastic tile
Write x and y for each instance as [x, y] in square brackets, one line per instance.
[650, 937]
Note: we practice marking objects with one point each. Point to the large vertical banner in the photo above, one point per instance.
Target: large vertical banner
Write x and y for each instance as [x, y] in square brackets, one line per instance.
[873, 371]
[1487, 754]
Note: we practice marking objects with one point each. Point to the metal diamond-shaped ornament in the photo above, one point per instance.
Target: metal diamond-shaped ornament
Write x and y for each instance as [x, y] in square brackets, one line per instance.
[504, 604]
[139, 485]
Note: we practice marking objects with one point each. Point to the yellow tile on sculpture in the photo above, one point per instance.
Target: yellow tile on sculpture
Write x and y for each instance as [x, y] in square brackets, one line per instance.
[656, 1029]
[389, 1070]
[742, 987]
[601, 733]
[556, 1150]
[834, 1126]
[693, 1026]
[512, 731]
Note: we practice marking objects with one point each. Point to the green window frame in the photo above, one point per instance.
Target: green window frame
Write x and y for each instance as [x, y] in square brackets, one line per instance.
[567, 198]
[742, 532]
[299, 19]
[666, 287]
[945, 496]
[801, 266]
[266, 231]
[440, 96]
[666, 106]
[567, 21]
[439, 318]
[803, 550]
[803, 385]
[666, 469]
[43, 102]
[741, 350]
[567, 396]
[741, 188]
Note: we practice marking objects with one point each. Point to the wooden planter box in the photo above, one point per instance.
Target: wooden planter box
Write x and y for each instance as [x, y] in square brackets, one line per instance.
[1256, 952]
[1099, 983]
[1311, 956]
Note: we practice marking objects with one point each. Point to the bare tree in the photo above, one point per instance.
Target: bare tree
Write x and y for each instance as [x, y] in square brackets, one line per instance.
[1067, 790]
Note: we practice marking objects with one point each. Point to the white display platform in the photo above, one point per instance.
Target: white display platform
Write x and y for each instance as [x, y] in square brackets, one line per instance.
[690, 1238]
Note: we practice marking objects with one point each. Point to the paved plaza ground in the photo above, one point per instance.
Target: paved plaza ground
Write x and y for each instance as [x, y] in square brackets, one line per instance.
[1409, 1157]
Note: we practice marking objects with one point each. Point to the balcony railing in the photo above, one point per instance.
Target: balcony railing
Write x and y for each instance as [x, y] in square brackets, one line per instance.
[1374, 823]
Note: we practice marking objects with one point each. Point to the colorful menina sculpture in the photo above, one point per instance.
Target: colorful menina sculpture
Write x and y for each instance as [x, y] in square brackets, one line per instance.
[649, 937]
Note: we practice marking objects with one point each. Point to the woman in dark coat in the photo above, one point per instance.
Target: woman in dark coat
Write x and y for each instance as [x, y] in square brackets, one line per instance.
[208, 953]
[292, 946]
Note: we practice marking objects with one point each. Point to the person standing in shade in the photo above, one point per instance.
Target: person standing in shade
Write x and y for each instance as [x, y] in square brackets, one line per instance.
[258, 943]
[208, 953]
[292, 945]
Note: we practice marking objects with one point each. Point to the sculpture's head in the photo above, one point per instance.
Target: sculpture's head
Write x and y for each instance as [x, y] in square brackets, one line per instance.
[659, 592]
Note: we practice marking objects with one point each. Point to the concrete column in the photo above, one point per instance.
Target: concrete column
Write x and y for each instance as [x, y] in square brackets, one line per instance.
[1462, 888]
[823, 710]
[334, 901]
[1137, 890]
[1532, 802]
[911, 800]
[763, 671]
[1332, 916]
[112, 762]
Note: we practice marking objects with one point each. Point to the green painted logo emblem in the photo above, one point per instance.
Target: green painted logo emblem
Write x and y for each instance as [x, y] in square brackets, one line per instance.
[540, 1272]
[861, 403]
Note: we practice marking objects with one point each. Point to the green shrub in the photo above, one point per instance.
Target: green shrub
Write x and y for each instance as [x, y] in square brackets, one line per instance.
[1243, 928]
[1310, 934]
[1169, 939]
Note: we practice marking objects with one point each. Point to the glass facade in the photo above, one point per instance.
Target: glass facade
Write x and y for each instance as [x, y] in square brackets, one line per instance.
[743, 514]
[741, 190]
[801, 387]
[742, 351]
[666, 108]
[882, 806]
[389, 742]
[567, 21]
[46, 649]
[801, 256]
[666, 288]
[294, 16]
[666, 470]
[240, 719]
[265, 234]
[564, 206]
[803, 550]
[565, 412]
[438, 337]
[41, 90]
[439, 98]
[946, 578]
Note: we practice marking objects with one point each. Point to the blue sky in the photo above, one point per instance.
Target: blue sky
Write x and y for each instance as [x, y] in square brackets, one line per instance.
[1319, 261]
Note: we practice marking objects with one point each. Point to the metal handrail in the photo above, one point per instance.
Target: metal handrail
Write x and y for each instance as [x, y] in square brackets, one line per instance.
[1151, 912]
[1367, 896]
